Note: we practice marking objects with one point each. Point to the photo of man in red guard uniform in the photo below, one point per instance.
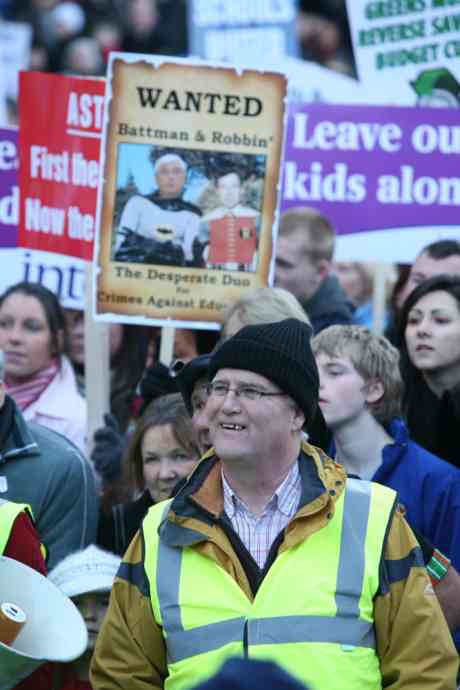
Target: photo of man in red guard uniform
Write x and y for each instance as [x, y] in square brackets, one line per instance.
[228, 235]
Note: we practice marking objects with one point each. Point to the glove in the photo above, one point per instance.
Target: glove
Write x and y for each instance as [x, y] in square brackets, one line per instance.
[109, 445]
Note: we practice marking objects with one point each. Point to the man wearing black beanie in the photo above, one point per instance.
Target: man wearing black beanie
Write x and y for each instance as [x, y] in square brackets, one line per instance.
[270, 551]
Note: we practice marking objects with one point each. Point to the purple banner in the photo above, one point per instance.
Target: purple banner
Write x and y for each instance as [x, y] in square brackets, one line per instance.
[389, 174]
[9, 189]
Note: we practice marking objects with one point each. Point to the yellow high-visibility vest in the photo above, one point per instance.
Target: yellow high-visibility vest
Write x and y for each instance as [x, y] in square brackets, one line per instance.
[312, 614]
[8, 514]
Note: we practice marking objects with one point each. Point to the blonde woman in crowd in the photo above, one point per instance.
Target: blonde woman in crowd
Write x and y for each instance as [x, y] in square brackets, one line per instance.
[262, 305]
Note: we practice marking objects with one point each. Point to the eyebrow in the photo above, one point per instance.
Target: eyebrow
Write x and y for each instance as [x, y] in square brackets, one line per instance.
[239, 382]
[174, 449]
[437, 310]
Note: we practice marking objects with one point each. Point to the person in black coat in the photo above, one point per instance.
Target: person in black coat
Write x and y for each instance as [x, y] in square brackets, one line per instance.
[430, 365]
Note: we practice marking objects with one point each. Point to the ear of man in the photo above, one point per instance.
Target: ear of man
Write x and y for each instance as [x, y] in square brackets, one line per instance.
[374, 391]
[298, 419]
[324, 268]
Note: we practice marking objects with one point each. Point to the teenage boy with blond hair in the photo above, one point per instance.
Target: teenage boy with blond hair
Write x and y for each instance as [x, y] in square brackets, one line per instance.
[360, 397]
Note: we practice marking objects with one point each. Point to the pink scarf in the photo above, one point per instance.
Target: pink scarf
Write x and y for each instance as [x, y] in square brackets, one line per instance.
[29, 390]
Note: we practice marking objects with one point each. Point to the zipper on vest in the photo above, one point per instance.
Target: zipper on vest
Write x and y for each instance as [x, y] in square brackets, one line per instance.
[245, 640]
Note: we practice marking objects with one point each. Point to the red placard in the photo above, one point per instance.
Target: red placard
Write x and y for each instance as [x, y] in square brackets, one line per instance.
[59, 141]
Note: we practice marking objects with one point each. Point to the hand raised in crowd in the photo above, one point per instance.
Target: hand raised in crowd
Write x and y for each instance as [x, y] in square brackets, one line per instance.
[108, 449]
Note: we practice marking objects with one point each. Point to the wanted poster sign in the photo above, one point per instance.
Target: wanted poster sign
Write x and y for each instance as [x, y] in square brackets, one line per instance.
[191, 155]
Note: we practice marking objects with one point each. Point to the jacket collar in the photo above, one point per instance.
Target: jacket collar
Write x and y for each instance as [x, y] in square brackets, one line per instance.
[195, 511]
[329, 298]
[6, 420]
[20, 441]
[398, 431]
[392, 453]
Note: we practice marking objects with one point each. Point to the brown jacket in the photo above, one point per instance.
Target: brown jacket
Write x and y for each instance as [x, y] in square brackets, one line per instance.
[413, 642]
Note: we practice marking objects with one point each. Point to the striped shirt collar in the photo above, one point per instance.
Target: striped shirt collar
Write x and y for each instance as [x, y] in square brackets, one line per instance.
[285, 499]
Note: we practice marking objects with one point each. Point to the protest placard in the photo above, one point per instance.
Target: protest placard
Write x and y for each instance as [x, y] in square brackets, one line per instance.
[235, 30]
[9, 189]
[186, 214]
[386, 177]
[63, 275]
[409, 49]
[4, 119]
[312, 83]
[59, 162]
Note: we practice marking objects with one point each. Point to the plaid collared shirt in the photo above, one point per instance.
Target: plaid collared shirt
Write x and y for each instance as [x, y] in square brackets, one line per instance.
[258, 532]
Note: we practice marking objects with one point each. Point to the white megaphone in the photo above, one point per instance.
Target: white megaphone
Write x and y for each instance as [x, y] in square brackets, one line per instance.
[54, 629]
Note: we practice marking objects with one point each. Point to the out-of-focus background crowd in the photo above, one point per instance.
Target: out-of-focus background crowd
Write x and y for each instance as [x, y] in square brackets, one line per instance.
[89, 496]
[76, 37]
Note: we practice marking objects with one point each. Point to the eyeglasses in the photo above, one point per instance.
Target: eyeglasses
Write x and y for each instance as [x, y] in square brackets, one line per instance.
[220, 389]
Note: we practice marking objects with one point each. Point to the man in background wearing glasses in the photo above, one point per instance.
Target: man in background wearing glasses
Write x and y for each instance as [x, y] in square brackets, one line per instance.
[270, 551]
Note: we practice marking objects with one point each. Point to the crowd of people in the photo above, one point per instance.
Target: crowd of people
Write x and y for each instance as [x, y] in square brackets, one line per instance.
[76, 36]
[279, 505]
[293, 402]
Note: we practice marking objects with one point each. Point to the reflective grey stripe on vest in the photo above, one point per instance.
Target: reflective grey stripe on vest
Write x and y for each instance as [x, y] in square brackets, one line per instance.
[351, 568]
[345, 628]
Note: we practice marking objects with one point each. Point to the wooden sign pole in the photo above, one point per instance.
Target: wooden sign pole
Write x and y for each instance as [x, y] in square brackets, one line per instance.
[167, 345]
[97, 363]
[379, 297]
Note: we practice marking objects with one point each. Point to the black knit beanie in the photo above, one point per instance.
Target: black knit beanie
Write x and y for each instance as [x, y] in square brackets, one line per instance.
[279, 351]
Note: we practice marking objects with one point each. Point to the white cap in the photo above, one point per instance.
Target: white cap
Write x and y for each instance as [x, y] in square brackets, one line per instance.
[90, 570]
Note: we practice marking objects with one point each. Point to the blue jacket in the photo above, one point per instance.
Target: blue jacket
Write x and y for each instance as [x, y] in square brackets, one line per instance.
[429, 490]
[428, 487]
